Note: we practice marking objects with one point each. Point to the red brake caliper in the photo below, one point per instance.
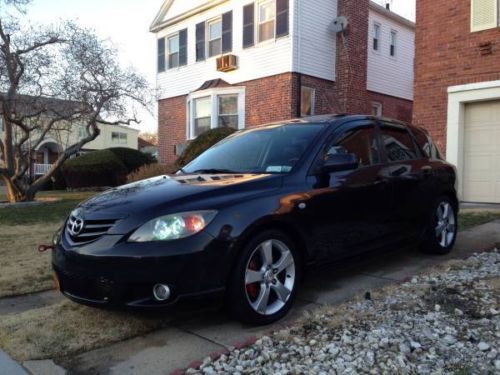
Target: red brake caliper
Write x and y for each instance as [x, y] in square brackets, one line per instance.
[253, 289]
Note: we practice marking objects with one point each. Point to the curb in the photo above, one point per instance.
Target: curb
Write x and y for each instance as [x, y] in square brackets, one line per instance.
[9, 366]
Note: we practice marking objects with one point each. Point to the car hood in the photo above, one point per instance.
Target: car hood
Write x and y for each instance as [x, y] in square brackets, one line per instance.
[167, 194]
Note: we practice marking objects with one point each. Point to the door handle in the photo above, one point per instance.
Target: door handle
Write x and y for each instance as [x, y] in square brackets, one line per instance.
[427, 170]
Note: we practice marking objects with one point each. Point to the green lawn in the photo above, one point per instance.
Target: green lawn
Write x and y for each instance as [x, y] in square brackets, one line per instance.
[44, 213]
[468, 220]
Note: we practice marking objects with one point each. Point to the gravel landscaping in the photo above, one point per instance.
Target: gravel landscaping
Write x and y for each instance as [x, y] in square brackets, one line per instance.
[446, 321]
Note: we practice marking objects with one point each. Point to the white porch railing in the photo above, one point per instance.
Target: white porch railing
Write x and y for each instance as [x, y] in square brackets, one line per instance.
[41, 169]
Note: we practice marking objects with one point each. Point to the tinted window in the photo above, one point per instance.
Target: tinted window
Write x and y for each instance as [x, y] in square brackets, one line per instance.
[362, 142]
[263, 150]
[398, 144]
[427, 146]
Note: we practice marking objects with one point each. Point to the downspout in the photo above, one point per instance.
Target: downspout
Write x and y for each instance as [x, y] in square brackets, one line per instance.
[299, 75]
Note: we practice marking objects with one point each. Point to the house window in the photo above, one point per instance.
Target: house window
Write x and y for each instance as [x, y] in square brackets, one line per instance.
[267, 20]
[202, 115]
[377, 109]
[394, 36]
[215, 108]
[484, 14]
[215, 37]
[376, 37]
[82, 132]
[173, 51]
[307, 101]
[228, 111]
[119, 138]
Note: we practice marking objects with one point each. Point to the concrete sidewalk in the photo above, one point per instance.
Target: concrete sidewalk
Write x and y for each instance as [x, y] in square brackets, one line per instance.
[196, 332]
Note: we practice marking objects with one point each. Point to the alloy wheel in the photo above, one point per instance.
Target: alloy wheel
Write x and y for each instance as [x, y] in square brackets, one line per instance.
[270, 277]
[446, 225]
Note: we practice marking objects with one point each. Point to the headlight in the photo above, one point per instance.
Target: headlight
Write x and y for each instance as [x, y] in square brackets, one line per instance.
[173, 227]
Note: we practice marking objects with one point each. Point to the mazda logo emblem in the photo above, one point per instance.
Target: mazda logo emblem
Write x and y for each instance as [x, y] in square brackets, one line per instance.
[75, 223]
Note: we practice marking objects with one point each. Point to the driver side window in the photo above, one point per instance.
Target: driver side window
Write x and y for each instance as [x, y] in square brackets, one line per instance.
[361, 141]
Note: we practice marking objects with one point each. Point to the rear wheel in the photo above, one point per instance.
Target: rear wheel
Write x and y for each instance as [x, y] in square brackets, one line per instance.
[264, 281]
[441, 233]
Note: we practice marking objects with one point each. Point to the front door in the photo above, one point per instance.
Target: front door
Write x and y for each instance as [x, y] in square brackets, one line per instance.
[348, 211]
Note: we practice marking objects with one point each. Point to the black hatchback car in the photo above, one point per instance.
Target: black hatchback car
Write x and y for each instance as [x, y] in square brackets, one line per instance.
[246, 217]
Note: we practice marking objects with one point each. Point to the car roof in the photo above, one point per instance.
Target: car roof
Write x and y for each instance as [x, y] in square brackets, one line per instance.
[333, 119]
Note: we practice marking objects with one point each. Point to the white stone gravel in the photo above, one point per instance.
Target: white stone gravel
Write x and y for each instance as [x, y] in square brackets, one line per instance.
[444, 322]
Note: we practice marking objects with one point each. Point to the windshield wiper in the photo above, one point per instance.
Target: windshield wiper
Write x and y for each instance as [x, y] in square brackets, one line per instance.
[214, 171]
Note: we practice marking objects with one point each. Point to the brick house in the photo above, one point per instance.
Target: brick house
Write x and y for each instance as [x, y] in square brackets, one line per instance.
[457, 89]
[243, 63]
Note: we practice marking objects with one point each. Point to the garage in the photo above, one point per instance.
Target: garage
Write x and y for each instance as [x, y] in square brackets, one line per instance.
[481, 173]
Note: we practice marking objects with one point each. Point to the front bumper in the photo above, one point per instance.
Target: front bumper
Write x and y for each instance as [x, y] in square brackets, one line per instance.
[110, 272]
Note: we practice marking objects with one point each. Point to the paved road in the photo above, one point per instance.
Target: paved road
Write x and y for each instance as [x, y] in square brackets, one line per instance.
[198, 331]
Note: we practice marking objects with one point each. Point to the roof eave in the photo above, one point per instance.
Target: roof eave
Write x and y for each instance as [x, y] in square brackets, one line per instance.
[158, 24]
[390, 14]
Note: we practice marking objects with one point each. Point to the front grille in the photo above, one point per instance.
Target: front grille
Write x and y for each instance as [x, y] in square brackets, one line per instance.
[91, 230]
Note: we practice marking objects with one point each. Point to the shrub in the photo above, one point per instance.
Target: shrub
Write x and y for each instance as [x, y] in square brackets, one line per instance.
[132, 159]
[201, 144]
[149, 171]
[57, 181]
[97, 168]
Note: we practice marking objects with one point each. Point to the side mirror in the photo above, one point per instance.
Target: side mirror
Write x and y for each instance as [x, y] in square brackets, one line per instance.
[340, 162]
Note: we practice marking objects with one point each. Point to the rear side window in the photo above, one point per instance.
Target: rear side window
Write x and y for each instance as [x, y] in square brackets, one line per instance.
[398, 144]
[362, 142]
[426, 144]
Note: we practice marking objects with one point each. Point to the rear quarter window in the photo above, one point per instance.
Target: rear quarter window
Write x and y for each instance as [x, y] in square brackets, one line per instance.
[426, 144]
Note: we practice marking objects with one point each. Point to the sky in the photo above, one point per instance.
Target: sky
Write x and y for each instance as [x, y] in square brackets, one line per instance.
[126, 23]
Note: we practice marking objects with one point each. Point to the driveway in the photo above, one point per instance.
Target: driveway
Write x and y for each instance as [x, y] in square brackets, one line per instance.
[197, 331]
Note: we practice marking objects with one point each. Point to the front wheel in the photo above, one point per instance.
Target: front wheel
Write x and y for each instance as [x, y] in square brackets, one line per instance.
[264, 282]
[441, 233]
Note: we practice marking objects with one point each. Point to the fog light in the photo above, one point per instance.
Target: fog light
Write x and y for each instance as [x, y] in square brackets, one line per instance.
[161, 292]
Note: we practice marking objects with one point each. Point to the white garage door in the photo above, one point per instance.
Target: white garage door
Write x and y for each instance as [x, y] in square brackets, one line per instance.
[482, 152]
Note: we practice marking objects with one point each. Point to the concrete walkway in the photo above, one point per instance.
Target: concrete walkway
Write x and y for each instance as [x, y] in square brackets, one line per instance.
[196, 331]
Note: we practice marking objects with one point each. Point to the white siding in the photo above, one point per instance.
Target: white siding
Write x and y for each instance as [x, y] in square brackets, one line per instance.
[314, 42]
[386, 74]
[262, 60]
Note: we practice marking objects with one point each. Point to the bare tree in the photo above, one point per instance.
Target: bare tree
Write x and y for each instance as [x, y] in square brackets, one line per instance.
[55, 80]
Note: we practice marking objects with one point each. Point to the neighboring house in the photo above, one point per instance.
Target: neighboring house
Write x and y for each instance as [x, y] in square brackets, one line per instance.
[58, 140]
[148, 147]
[457, 89]
[243, 63]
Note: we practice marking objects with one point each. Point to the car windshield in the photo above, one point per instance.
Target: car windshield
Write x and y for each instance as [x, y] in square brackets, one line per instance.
[273, 149]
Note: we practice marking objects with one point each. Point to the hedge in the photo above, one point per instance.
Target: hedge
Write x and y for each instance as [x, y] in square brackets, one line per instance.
[95, 169]
[132, 159]
[202, 143]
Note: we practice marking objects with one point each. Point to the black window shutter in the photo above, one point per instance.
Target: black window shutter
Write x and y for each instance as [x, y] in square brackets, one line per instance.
[183, 47]
[200, 41]
[161, 55]
[227, 32]
[282, 17]
[248, 25]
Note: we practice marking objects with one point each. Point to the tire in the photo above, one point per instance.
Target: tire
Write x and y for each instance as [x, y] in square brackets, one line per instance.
[247, 299]
[441, 232]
